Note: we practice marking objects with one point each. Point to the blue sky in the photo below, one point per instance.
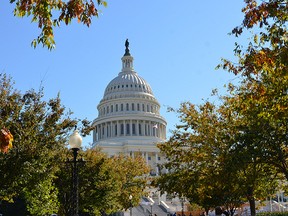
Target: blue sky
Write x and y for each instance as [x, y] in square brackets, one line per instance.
[176, 46]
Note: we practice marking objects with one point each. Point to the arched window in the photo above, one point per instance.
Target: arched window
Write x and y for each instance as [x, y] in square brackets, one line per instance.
[133, 107]
[127, 107]
[140, 129]
[122, 129]
[116, 108]
[127, 129]
[133, 129]
[108, 130]
[115, 127]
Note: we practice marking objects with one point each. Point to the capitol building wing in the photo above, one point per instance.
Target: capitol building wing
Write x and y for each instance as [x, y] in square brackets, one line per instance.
[129, 121]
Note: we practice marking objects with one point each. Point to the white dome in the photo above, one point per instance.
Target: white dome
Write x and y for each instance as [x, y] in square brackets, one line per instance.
[129, 117]
[127, 82]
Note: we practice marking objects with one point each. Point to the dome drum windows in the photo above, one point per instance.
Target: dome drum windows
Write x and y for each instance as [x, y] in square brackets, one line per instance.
[133, 129]
[127, 129]
[139, 107]
[140, 129]
[115, 130]
[122, 129]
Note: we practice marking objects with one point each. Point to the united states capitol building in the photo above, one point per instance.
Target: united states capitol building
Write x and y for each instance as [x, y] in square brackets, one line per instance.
[129, 121]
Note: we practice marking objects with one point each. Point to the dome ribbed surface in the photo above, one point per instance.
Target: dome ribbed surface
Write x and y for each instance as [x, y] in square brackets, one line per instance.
[127, 82]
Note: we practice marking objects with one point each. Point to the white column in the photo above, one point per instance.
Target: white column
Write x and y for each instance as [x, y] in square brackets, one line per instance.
[105, 130]
[157, 130]
[137, 127]
[101, 133]
[147, 161]
[124, 123]
[143, 129]
[118, 129]
[96, 134]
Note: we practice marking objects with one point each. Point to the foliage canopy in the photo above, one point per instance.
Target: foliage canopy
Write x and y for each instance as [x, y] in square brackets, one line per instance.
[34, 170]
[228, 153]
[51, 13]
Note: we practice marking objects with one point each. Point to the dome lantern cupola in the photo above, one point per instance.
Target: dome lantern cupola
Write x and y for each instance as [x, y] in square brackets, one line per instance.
[127, 59]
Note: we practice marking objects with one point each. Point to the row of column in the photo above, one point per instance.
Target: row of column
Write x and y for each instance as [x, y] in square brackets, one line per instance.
[129, 128]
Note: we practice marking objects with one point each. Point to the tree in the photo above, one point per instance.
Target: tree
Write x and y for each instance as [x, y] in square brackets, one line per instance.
[6, 139]
[51, 13]
[248, 132]
[40, 130]
[262, 98]
[104, 183]
[205, 165]
[34, 172]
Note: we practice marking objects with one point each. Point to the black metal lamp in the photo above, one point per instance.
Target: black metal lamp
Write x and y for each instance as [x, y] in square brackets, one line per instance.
[182, 205]
[75, 142]
[131, 206]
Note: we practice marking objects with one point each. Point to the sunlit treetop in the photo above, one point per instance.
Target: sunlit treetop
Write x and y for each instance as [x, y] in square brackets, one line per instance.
[267, 22]
[51, 13]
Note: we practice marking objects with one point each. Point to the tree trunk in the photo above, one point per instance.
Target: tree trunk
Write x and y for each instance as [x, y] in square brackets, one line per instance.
[251, 200]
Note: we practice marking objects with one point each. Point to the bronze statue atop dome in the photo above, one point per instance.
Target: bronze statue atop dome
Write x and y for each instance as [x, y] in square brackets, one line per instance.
[127, 51]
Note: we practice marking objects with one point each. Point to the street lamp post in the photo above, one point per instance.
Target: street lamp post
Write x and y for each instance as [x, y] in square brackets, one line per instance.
[182, 205]
[130, 200]
[75, 142]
